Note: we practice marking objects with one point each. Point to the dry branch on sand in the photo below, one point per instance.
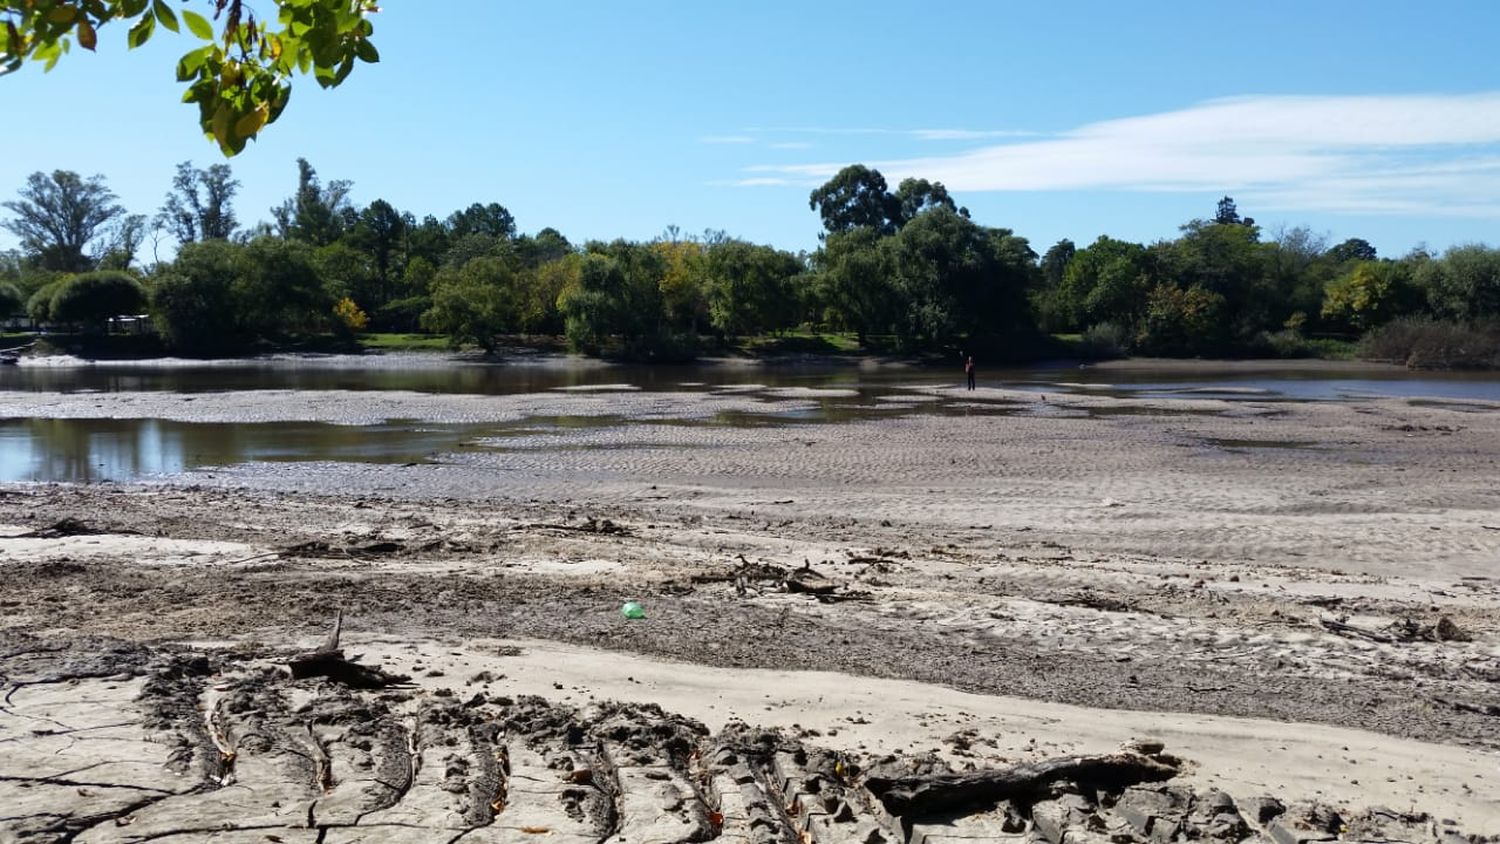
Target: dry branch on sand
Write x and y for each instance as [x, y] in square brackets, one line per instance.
[329, 661]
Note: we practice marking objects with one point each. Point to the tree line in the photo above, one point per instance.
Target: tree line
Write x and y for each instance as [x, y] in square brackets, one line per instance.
[906, 270]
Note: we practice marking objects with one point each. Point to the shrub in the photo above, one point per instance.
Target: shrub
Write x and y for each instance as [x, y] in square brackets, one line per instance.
[348, 318]
[473, 304]
[1182, 321]
[1104, 341]
[402, 314]
[1286, 343]
[1426, 343]
[39, 306]
[92, 298]
[11, 300]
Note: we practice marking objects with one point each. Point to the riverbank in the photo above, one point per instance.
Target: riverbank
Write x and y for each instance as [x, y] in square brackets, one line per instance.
[1299, 598]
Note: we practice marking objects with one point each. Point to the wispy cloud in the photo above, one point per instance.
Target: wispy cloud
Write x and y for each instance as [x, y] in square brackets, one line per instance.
[968, 134]
[791, 145]
[726, 139]
[763, 181]
[1411, 154]
[919, 134]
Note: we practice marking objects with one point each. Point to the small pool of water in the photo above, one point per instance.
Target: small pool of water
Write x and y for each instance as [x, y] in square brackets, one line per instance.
[94, 450]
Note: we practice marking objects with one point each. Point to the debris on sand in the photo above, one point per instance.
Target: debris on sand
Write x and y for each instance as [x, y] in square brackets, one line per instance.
[809, 581]
[329, 661]
[592, 524]
[69, 527]
[1400, 631]
[935, 793]
[318, 548]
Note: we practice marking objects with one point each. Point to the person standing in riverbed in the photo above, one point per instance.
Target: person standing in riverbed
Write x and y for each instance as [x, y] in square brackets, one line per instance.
[969, 370]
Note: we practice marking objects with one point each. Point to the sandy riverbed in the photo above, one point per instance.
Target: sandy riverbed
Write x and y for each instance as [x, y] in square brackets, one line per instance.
[1263, 585]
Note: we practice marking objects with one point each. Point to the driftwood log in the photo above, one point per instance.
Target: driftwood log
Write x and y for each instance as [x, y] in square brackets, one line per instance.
[936, 793]
[329, 661]
[808, 581]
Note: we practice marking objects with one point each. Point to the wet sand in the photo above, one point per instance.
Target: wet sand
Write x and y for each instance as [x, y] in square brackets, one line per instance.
[1094, 569]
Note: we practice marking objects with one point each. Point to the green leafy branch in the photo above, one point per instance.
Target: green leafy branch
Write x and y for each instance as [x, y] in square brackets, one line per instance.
[240, 79]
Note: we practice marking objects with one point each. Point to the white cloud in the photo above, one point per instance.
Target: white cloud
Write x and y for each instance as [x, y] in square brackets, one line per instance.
[919, 134]
[791, 145]
[763, 182]
[1412, 154]
[967, 134]
[726, 139]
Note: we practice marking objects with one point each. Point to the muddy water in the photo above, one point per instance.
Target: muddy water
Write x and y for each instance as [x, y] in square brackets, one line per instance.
[98, 450]
[349, 373]
[94, 450]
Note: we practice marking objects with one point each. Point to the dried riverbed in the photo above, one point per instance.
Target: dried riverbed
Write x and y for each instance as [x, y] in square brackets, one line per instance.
[1194, 569]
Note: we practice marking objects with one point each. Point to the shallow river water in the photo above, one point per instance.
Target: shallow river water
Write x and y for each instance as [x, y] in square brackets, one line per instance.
[93, 450]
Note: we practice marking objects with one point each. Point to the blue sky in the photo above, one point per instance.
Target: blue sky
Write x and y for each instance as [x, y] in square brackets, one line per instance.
[605, 119]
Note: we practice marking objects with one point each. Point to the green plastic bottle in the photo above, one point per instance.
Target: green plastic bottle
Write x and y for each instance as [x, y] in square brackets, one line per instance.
[633, 610]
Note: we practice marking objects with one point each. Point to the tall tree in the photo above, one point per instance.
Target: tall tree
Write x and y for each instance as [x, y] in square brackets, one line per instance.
[381, 233]
[749, 287]
[492, 220]
[855, 284]
[199, 206]
[1464, 284]
[1056, 261]
[913, 196]
[1353, 249]
[316, 214]
[856, 197]
[58, 215]
[1106, 281]
[1229, 215]
[123, 239]
[546, 245]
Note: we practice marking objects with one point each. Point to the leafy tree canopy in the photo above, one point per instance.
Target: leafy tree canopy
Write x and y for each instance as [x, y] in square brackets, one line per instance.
[58, 215]
[92, 298]
[199, 206]
[239, 77]
[11, 300]
[856, 197]
[1353, 249]
[492, 220]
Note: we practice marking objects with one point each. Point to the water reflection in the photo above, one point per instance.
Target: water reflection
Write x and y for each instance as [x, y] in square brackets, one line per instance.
[94, 450]
[513, 378]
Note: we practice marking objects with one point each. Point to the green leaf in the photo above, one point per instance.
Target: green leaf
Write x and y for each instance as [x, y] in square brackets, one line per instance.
[165, 14]
[198, 25]
[366, 52]
[189, 65]
[141, 32]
